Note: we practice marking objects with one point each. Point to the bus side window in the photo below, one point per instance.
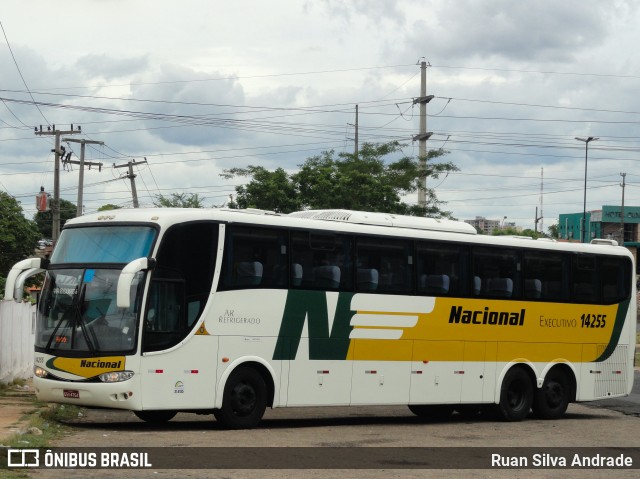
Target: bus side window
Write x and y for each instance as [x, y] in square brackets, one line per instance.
[321, 261]
[384, 265]
[585, 279]
[499, 272]
[440, 269]
[545, 275]
[254, 257]
[180, 283]
[614, 274]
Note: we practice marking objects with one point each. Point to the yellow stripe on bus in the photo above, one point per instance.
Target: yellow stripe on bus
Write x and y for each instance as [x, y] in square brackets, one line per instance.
[458, 330]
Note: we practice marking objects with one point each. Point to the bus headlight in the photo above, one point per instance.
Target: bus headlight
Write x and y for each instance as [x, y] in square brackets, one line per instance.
[39, 372]
[115, 376]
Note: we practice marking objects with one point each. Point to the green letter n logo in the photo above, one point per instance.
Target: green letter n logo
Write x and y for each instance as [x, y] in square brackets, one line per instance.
[313, 307]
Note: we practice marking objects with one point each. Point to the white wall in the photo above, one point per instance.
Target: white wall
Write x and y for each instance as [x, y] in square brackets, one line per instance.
[17, 336]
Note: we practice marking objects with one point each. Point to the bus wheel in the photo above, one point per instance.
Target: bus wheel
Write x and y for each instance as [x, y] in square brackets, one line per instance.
[552, 399]
[155, 417]
[431, 411]
[244, 400]
[516, 395]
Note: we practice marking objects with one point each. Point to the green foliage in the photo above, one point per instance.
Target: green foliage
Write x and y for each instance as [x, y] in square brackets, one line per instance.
[51, 420]
[44, 219]
[18, 235]
[554, 231]
[506, 231]
[511, 231]
[267, 190]
[109, 207]
[343, 181]
[179, 200]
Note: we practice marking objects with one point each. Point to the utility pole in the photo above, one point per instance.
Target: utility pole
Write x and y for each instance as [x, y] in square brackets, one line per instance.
[423, 136]
[132, 177]
[82, 163]
[55, 203]
[541, 200]
[623, 184]
[355, 150]
[583, 234]
[536, 220]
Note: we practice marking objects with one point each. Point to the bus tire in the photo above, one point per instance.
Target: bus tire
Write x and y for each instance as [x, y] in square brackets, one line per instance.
[155, 417]
[552, 399]
[244, 400]
[516, 395]
[431, 411]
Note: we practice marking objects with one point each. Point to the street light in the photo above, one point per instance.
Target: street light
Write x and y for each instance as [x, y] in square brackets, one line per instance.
[584, 206]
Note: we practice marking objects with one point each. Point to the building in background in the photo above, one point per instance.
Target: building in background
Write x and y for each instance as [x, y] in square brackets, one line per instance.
[606, 223]
[487, 226]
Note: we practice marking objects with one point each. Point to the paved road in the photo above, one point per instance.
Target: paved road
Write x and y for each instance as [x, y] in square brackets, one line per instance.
[358, 427]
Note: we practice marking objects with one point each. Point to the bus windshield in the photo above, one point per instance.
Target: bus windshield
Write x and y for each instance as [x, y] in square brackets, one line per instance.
[99, 244]
[77, 312]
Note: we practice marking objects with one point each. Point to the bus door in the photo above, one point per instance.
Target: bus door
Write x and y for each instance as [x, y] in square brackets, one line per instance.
[178, 364]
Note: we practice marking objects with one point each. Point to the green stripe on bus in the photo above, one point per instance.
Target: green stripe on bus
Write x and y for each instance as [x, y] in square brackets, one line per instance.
[312, 306]
[623, 308]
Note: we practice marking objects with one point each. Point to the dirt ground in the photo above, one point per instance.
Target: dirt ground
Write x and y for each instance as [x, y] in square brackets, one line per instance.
[15, 406]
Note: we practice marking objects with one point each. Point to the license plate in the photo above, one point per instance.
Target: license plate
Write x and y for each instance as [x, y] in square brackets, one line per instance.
[71, 393]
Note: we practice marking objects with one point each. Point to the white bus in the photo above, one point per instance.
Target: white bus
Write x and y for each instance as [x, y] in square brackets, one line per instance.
[229, 312]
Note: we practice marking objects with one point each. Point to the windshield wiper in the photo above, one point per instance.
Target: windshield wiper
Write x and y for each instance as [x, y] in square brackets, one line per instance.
[80, 322]
[75, 321]
[62, 319]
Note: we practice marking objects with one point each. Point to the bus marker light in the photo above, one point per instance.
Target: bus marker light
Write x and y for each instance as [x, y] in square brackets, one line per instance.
[225, 360]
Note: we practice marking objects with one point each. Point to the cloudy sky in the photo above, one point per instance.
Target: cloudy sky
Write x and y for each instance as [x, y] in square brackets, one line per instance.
[202, 85]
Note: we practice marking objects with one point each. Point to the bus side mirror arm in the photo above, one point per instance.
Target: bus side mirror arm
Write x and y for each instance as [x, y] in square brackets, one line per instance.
[19, 274]
[123, 300]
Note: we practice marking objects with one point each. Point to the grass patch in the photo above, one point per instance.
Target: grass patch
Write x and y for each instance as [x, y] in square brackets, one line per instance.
[13, 474]
[48, 419]
[5, 388]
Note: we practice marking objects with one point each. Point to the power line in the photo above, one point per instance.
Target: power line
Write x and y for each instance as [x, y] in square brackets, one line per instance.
[541, 72]
[21, 76]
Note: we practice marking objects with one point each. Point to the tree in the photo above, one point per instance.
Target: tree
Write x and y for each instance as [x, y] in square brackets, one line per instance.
[267, 190]
[44, 219]
[554, 231]
[109, 207]
[179, 200]
[327, 181]
[511, 231]
[18, 235]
